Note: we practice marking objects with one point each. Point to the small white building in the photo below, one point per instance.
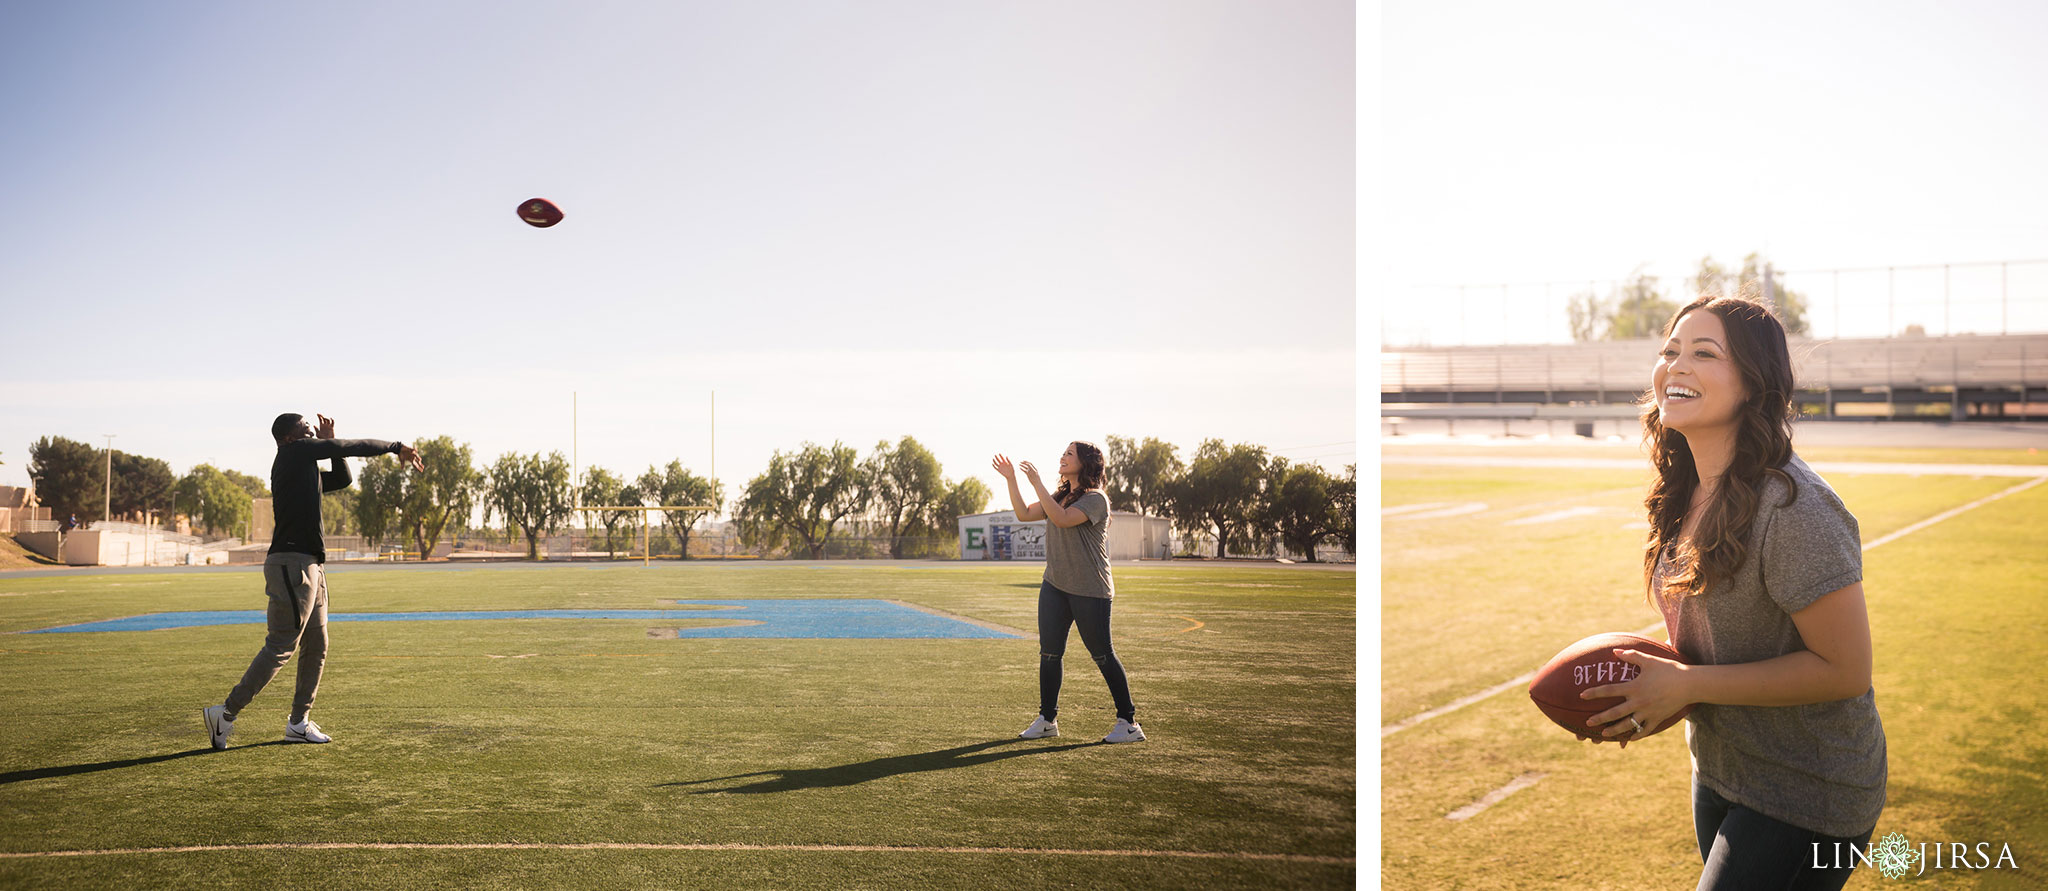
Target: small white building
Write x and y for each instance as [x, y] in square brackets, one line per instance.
[1001, 536]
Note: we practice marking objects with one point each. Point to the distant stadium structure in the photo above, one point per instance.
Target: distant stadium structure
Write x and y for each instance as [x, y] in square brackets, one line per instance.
[1958, 378]
[999, 535]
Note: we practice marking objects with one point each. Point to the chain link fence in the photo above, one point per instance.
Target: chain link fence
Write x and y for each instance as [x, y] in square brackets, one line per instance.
[1941, 299]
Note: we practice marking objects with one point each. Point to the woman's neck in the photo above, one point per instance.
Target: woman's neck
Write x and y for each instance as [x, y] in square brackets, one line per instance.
[1712, 452]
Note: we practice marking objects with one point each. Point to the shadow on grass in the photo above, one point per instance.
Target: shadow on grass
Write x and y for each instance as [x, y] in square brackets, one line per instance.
[863, 771]
[40, 773]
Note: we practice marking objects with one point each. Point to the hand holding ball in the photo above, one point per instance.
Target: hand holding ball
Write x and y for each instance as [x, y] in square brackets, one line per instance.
[1591, 663]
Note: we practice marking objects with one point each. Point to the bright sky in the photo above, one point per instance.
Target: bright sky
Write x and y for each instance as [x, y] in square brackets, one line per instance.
[1565, 142]
[992, 226]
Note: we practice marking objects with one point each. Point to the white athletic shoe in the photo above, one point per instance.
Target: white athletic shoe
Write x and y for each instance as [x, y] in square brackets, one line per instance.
[308, 732]
[217, 725]
[1126, 731]
[1040, 728]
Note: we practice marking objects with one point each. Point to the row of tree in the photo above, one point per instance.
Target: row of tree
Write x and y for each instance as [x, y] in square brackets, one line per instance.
[1638, 307]
[1239, 494]
[1244, 498]
[73, 478]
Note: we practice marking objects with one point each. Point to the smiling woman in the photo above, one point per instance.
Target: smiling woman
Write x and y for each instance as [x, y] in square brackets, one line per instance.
[1756, 565]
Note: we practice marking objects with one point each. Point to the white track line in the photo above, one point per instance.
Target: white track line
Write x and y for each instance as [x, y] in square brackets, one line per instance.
[1946, 515]
[1498, 689]
[1492, 798]
[629, 846]
[1442, 710]
[1456, 510]
[1554, 516]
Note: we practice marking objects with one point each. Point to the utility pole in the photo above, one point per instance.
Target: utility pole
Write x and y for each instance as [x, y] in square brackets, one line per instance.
[714, 445]
[107, 507]
[575, 461]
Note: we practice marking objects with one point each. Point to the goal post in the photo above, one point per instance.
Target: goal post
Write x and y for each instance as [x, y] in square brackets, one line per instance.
[646, 536]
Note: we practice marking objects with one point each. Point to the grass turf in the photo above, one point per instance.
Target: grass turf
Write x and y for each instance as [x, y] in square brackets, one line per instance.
[1955, 611]
[563, 732]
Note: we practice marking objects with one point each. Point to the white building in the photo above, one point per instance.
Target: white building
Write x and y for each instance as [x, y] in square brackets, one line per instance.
[1001, 536]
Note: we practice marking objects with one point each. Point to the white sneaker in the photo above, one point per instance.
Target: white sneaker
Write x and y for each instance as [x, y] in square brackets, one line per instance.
[308, 732]
[217, 725]
[1040, 728]
[1126, 731]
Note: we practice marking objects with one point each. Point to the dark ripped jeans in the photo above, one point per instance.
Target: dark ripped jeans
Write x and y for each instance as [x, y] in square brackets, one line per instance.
[1057, 610]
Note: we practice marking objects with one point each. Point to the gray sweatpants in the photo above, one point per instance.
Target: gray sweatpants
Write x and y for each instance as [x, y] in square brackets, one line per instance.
[297, 615]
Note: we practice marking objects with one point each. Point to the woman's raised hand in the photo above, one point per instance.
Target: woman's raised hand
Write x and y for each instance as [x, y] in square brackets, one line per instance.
[1003, 466]
[1030, 472]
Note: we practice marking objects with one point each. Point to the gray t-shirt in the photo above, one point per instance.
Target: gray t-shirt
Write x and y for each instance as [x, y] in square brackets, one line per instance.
[1819, 766]
[1077, 557]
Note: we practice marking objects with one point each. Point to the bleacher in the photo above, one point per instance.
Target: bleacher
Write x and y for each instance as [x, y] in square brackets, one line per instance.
[1975, 376]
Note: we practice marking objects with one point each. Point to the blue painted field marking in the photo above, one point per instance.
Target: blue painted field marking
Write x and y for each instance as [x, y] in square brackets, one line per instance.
[806, 618]
[834, 617]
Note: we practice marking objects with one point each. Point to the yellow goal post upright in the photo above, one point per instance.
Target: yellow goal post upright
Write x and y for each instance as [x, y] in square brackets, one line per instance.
[646, 539]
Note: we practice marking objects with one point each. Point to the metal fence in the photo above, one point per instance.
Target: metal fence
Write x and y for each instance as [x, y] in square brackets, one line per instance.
[579, 544]
[492, 544]
[1942, 299]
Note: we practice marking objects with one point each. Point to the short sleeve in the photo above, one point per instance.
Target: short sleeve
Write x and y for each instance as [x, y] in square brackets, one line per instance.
[1095, 505]
[1811, 547]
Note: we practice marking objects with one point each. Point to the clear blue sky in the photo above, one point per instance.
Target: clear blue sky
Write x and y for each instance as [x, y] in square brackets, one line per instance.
[1565, 142]
[993, 226]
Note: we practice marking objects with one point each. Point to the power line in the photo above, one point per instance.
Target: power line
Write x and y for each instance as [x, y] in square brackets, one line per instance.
[1316, 446]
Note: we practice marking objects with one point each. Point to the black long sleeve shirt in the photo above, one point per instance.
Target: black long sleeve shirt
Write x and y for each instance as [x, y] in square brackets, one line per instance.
[296, 482]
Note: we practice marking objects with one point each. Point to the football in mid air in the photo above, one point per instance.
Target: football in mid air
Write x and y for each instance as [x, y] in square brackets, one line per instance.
[1591, 663]
[539, 213]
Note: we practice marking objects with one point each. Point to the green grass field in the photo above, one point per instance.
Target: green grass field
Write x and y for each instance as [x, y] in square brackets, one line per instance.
[1470, 601]
[625, 759]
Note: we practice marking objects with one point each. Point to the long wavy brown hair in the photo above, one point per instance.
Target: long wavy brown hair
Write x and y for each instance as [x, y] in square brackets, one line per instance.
[1763, 445]
[1093, 471]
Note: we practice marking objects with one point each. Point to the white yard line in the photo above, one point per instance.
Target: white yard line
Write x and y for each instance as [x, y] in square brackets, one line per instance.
[1554, 516]
[1492, 798]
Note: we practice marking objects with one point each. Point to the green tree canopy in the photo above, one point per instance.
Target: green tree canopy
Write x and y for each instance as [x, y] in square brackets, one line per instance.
[395, 501]
[531, 492]
[1716, 280]
[969, 496]
[1347, 509]
[68, 477]
[141, 484]
[1306, 506]
[1640, 309]
[904, 482]
[212, 497]
[338, 512]
[602, 487]
[253, 485]
[1142, 474]
[801, 498]
[1223, 489]
[676, 486]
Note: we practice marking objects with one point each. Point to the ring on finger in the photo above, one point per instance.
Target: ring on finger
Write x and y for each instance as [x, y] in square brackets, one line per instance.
[1639, 724]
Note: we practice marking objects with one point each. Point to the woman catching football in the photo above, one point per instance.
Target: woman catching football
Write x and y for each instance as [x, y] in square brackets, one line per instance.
[1077, 588]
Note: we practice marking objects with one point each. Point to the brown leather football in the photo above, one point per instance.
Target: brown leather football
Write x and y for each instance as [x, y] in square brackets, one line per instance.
[539, 213]
[1591, 663]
